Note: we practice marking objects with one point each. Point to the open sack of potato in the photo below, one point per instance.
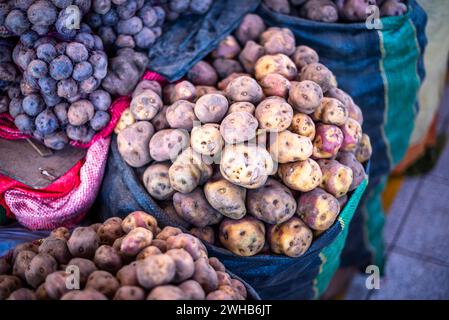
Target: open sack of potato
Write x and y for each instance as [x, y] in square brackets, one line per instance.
[258, 153]
[121, 259]
[382, 67]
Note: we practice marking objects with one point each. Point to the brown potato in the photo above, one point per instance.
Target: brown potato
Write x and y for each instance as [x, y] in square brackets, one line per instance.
[139, 219]
[148, 251]
[274, 114]
[207, 139]
[223, 84]
[319, 74]
[358, 172]
[303, 125]
[129, 293]
[301, 175]
[135, 241]
[183, 90]
[167, 232]
[4, 266]
[211, 108]
[55, 285]
[250, 28]
[242, 107]
[318, 209]
[203, 90]
[157, 181]
[277, 63]
[278, 40]
[103, 282]
[39, 268]
[192, 290]
[244, 237]
[85, 267]
[107, 258]
[246, 165]
[320, 10]
[226, 67]
[250, 54]
[184, 264]
[206, 234]
[238, 127]
[202, 74]
[145, 105]
[337, 178]
[155, 270]
[216, 264]
[225, 197]
[291, 237]
[364, 150]
[56, 248]
[110, 231]
[228, 48]
[167, 292]
[240, 287]
[22, 247]
[331, 111]
[22, 262]
[305, 96]
[60, 233]
[127, 275]
[8, 284]
[205, 275]
[194, 208]
[189, 243]
[159, 121]
[244, 89]
[181, 115]
[303, 56]
[83, 242]
[86, 294]
[133, 143]
[22, 294]
[126, 120]
[148, 85]
[273, 203]
[167, 144]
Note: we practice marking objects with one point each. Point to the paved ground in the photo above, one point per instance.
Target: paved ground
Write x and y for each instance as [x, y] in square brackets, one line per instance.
[417, 235]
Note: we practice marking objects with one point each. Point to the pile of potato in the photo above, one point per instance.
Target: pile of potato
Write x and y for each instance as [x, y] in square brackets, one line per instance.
[337, 10]
[129, 259]
[259, 143]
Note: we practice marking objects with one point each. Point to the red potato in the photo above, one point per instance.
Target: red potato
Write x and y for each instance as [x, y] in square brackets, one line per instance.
[318, 209]
[55, 285]
[207, 139]
[240, 287]
[110, 230]
[203, 90]
[250, 28]
[238, 127]
[132, 143]
[352, 135]
[305, 96]
[135, 241]
[205, 275]
[184, 264]
[216, 264]
[303, 56]
[4, 266]
[39, 268]
[354, 10]
[202, 74]
[328, 140]
[278, 40]
[291, 237]
[250, 54]
[56, 248]
[85, 267]
[139, 219]
[337, 178]
[22, 294]
[393, 8]
[8, 284]
[275, 85]
[86, 294]
[28, 246]
[189, 243]
[167, 144]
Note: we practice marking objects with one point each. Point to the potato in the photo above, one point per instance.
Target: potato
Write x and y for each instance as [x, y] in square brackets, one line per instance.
[303, 125]
[355, 113]
[216, 264]
[219, 295]
[358, 172]
[393, 8]
[159, 121]
[277, 63]
[183, 90]
[203, 90]
[22, 294]
[274, 84]
[83, 242]
[107, 258]
[86, 294]
[133, 143]
[148, 251]
[147, 85]
[301, 175]
[4, 266]
[331, 111]
[354, 10]
[250, 28]
[202, 74]
[226, 67]
[94, 226]
[246, 165]
[55, 285]
[39, 268]
[223, 84]
[327, 142]
[211, 108]
[240, 287]
[181, 115]
[225, 197]
[205, 275]
[207, 139]
[303, 56]
[274, 114]
[8, 284]
[60, 233]
[342, 201]
[244, 237]
[167, 93]
[139, 219]
[242, 107]
[129, 293]
[135, 241]
[22, 247]
[167, 232]
[157, 182]
[206, 234]
[320, 10]
[337, 178]
[184, 264]
[273, 203]
[195, 209]
[127, 275]
[155, 270]
[244, 89]
[278, 40]
[250, 54]
[340, 95]
[110, 231]
[238, 127]
[189, 243]
[167, 144]
[318, 209]
[22, 262]
[145, 105]
[364, 150]
[103, 282]
[319, 74]
[41, 293]
[228, 48]
[305, 96]
[352, 135]
[291, 237]
[192, 290]
[167, 292]
[85, 267]
[56, 248]
[126, 120]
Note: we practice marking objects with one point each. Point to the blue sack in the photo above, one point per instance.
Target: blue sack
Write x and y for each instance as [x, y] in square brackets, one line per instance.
[382, 70]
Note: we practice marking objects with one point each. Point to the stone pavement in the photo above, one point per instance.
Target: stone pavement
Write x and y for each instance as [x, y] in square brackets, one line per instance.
[417, 235]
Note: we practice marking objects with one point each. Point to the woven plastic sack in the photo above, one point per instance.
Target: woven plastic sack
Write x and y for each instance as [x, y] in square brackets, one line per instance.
[382, 70]
[65, 201]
